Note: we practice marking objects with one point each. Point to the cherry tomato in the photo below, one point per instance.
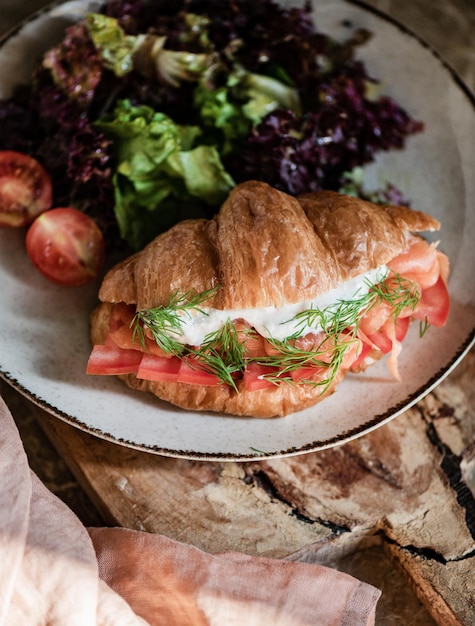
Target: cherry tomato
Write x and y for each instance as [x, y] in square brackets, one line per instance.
[25, 189]
[66, 246]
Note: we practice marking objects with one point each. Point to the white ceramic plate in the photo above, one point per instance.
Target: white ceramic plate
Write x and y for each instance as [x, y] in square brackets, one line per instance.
[44, 329]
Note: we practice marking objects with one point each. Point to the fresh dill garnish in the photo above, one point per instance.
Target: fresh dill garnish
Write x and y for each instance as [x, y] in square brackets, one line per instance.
[326, 357]
[399, 292]
[164, 323]
[343, 315]
[423, 327]
[222, 353]
[257, 450]
[337, 317]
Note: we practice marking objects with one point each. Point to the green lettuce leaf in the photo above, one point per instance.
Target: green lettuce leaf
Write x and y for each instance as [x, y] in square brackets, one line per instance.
[161, 172]
[115, 47]
[146, 53]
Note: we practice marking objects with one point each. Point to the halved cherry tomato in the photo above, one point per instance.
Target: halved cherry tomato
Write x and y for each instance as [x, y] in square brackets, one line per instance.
[66, 246]
[109, 359]
[25, 189]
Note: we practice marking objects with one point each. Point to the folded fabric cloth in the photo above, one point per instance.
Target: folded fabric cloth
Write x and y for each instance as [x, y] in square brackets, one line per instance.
[55, 571]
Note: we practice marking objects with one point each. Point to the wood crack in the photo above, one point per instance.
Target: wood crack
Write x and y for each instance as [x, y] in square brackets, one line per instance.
[337, 529]
[450, 464]
[263, 481]
[426, 553]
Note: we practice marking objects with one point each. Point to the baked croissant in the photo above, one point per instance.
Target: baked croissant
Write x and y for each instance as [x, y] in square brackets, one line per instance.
[270, 303]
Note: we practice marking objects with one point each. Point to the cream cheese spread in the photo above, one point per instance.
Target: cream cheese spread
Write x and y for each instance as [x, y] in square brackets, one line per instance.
[276, 322]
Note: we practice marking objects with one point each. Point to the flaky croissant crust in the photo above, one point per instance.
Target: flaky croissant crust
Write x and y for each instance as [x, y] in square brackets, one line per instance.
[263, 248]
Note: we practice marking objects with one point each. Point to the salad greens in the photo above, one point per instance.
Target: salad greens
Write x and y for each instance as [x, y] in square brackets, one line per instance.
[157, 159]
[149, 112]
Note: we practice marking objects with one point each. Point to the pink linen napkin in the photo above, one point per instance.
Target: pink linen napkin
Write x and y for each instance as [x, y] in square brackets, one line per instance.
[55, 571]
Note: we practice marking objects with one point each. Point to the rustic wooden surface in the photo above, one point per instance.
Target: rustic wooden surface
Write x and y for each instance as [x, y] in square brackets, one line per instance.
[401, 499]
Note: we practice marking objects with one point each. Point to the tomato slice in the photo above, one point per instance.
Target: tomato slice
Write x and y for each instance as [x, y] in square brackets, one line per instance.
[66, 246]
[174, 369]
[194, 372]
[308, 373]
[159, 368]
[254, 376]
[109, 359]
[25, 189]
[434, 305]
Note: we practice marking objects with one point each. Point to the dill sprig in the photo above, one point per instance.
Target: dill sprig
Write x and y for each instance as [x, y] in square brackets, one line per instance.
[399, 292]
[423, 327]
[335, 318]
[289, 357]
[222, 353]
[165, 323]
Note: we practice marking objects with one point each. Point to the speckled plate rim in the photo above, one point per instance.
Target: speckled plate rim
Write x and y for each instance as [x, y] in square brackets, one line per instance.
[255, 452]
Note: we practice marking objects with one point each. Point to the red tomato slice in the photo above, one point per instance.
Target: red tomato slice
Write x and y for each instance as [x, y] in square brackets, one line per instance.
[308, 373]
[434, 305]
[193, 372]
[109, 359]
[254, 377]
[174, 369]
[159, 368]
[66, 246]
[25, 189]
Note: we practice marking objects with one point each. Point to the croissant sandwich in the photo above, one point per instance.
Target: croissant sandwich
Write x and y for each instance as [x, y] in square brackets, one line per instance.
[262, 310]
